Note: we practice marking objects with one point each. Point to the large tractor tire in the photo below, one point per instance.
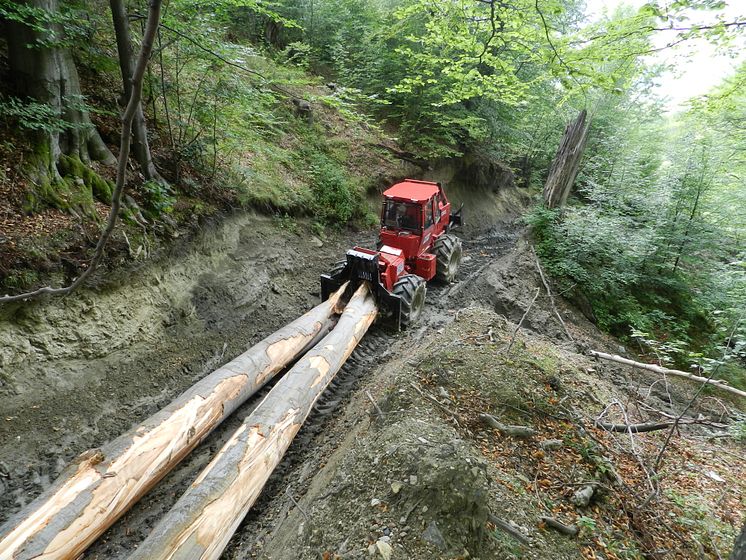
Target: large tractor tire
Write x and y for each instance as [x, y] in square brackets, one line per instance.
[411, 288]
[447, 249]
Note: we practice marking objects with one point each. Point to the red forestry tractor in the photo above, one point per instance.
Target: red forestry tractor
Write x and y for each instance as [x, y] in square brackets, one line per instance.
[415, 245]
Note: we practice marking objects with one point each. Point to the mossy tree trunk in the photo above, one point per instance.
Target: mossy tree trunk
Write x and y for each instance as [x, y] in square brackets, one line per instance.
[43, 70]
[140, 146]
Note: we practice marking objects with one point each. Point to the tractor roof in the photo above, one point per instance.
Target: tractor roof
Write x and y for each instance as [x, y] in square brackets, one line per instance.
[412, 189]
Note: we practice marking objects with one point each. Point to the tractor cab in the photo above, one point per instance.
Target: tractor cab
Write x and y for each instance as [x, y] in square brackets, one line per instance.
[414, 247]
[414, 214]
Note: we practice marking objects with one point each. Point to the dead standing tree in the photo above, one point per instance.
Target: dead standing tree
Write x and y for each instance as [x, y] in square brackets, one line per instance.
[567, 162]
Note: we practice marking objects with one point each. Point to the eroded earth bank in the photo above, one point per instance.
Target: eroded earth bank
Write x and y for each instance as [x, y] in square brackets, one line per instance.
[398, 459]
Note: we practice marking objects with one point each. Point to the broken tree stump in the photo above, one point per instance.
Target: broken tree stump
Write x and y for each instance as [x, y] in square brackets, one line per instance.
[102, 484]
[202, 522]
[566, 162]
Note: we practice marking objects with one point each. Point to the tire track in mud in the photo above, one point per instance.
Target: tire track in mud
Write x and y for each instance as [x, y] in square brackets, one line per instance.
[292, 478]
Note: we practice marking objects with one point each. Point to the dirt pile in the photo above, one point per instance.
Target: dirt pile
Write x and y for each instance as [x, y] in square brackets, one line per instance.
[413, 483]
[426, 477]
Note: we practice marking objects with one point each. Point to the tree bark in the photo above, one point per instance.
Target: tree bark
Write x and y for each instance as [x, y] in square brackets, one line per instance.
[95, 490]
[717, 383]
[46, 73]
[203, 520]
[140, 146]
[151, 27]
[739, 549]
[566, 163]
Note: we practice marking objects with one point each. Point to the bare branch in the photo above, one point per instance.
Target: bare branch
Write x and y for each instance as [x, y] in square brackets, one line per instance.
[154, 14]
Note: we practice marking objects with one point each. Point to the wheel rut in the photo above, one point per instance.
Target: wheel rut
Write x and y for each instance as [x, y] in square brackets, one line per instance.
[320, 435]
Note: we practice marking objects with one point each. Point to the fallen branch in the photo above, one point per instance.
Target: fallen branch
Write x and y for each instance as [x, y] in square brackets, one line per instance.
[549, 292]
[375, 404]
[508, 430]
[552, 523]
[634, 428]
[652, 426]
[102, 484]
[520, 323]
[507, 528]
[718, 383]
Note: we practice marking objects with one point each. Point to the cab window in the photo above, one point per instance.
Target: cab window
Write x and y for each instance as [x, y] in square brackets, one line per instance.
[429, 213]
[401, 215]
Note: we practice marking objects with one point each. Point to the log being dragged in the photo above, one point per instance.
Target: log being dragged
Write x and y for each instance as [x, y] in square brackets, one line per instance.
[717, 383]
[99, 486]
[202, 522]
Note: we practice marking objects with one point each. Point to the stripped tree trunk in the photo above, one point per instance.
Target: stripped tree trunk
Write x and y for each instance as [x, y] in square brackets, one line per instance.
[94, 491]
[717, 383]
[566, 163]
[203, 520]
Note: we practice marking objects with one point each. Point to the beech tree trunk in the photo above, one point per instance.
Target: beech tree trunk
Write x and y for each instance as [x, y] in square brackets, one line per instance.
[140, 146]
[203, 520]
[47, 74]
[717, 383]
[566, 163]
[96, 489]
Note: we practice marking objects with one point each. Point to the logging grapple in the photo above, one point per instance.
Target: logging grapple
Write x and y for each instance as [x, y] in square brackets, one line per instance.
[415, 245]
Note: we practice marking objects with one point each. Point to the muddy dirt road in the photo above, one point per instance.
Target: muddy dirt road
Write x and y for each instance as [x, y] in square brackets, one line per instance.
[77, 372]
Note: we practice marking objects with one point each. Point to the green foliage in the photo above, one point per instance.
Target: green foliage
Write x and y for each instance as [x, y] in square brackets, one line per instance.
[587, 525]
[158, 199]
[655, 243]
[298, 53]
[21, 279]
[335, 198]
[60, 28]
[39, 117]
[709, 530]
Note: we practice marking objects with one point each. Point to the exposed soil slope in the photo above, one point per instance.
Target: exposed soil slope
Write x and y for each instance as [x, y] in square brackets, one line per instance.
[421, 477]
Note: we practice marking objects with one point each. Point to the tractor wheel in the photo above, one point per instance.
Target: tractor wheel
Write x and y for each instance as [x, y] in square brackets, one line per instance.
[411, 288]
[447, 249]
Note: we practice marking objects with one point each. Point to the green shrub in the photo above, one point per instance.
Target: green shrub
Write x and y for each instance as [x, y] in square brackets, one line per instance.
[158, 199]
[605, 258]
[335, 200]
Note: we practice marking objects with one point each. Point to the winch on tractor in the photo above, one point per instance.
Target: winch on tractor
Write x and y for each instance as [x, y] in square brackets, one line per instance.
[415, 245]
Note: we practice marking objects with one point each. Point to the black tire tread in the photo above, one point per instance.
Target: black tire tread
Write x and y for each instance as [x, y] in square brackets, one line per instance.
[443, 248]
[406, 287]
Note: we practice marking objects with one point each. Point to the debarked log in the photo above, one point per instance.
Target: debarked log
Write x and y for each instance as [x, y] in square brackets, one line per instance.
[102, 484]
[202, 522]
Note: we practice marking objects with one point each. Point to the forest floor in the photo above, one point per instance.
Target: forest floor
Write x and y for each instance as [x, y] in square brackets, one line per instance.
[421, 478]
